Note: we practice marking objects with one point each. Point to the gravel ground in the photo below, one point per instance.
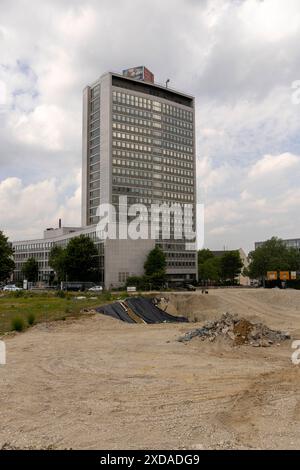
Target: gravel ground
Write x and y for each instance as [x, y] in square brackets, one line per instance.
[97, 383]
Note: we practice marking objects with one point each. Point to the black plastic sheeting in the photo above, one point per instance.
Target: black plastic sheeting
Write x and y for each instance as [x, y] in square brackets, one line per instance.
[144, 308]
[115, 310]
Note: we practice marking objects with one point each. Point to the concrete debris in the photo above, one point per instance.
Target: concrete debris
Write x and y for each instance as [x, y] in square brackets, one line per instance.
[237, 331]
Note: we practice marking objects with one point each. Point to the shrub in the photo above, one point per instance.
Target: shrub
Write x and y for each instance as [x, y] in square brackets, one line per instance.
[17, 324]
[18, 293]
[106, 295]
[31, 319]
[140, 282]
[61, 294]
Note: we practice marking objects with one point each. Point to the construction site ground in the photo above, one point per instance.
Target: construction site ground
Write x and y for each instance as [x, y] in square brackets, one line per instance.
[99, 383]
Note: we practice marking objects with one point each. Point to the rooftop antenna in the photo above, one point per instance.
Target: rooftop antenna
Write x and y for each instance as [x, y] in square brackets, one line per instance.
[167, 81]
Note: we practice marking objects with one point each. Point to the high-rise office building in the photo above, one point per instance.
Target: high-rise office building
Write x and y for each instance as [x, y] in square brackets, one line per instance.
[139, 142]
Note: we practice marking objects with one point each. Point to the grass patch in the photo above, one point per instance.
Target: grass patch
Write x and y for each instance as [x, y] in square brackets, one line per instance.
[31, 318]
[46, 306]
[18, 324]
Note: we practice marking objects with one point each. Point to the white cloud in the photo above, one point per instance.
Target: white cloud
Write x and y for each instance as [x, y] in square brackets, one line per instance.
[26, 210]
[264, 203]
[239, 58]
[270, 20]
[273, 163]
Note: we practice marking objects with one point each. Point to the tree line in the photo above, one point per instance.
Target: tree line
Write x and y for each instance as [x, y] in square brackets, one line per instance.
[219, 269]
[272, 255]
[79, 261]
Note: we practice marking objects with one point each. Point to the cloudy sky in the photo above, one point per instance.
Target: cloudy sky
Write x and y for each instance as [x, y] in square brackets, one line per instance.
[239, 58]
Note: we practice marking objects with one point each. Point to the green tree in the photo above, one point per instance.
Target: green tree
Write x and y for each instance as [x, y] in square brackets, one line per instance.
[273, 255]
[81, 260]
[77, 262]
[30, 270]
[293, 259]
[231, 265]
[155, 269]
[57, 261]
[7, 264]
[155, 262]
[210, 269]
[204, 255]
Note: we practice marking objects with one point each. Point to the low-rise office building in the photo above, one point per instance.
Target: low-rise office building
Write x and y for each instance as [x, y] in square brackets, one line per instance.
[290, 243]
[117, 259]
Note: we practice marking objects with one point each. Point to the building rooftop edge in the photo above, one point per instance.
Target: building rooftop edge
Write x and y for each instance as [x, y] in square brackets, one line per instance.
[155, 85]
[78, 230]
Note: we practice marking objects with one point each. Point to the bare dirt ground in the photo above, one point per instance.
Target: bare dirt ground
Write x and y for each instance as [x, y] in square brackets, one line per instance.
[97, 383]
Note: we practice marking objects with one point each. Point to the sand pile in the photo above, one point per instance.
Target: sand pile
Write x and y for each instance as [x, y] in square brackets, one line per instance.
[237, 331]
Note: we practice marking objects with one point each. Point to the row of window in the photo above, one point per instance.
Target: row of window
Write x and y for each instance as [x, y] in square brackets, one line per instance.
[177, 138]
[129, 124]
[177, 171]
[178, 130]
[125, 144]
[133, 100]
[132, 163]
[175, 187]
[177, 157]
[137, 130]
[146, 132]
[135, 189]
[137, 183]
[181, 264]
[127, 171]
[132, 112]
[33, 246]
[181, 255]
[136, 138]
[158, 118]
[132, 120]
[37, 255]
[137, 200]
[177, 123]
[146, 103]
[126, 190]
[176, 196]
[136, 173]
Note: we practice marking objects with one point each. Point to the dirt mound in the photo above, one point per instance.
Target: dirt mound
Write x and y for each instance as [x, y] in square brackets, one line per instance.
[238, 331]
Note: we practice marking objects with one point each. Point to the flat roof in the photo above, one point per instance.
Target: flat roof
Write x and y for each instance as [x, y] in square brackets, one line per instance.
[154, 89]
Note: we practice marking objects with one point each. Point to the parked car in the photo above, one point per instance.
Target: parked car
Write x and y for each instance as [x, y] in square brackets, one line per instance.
[96, 289]
[190, 287]
[11, 288]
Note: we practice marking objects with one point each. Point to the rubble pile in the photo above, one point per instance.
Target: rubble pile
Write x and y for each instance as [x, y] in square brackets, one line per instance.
[237, 331]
